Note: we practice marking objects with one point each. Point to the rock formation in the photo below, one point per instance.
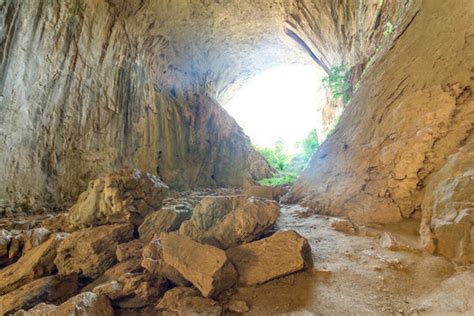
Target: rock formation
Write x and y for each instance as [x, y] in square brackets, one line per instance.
[93, 91]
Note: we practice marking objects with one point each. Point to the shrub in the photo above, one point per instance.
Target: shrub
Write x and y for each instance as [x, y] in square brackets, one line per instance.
[289, 166]
[337, 83]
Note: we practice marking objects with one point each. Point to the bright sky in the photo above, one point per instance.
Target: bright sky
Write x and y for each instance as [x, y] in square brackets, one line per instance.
[281, 102]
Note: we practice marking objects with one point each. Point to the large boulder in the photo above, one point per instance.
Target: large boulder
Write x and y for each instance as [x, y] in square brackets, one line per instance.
[91, 251]
[187, 301]
[34, 237]
[36, 263]
[447, 225]
[47, 289]
[165, 220]
[123, 197]
[276, 256]
[86, 303]
[205, 266]
[153, 262]
[113, 274]
[227, 221]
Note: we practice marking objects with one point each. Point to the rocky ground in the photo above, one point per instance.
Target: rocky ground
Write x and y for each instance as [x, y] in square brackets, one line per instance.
[129, 246]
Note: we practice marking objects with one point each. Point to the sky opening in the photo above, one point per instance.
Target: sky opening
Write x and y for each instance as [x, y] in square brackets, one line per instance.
[281, 103]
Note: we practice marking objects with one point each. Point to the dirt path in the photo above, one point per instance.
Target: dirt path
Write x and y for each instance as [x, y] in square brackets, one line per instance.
[354, 274]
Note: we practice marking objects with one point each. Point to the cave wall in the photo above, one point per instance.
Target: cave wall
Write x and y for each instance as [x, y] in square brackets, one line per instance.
[84, 90]
[413, 110]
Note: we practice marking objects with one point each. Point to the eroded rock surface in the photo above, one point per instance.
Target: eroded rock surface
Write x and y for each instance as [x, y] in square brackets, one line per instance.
[206, 267]
[86, 303]
[448, 208]
[123, 197]
[166, 219]
[269, 258]
[187, 301]
[91, 251]
[230, 220]
[44, 290]
[36, 263]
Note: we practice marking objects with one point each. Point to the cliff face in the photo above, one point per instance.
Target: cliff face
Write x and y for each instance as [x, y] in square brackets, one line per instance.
[403, 144]
[92, 86]
[82, 93]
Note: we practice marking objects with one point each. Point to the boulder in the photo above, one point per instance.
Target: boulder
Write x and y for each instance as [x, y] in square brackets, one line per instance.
[123, 197]
[153, 262]
[58, 223]
[133, 290]
[47, 289]
[86, 303]
[187, 301]
[34, 237]
[205, 266]
[114, 273]
[228, 221]
[91, 251]
[343, 225]
[129, 250]
[283, 253]
[36, 263]
[167, 219]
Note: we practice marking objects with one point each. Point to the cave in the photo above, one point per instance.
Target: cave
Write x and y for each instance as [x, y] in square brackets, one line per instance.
[128, 187]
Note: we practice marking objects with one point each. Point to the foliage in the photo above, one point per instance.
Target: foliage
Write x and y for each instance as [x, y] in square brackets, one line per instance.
[289, 166]
[337, 82]
[389, 29]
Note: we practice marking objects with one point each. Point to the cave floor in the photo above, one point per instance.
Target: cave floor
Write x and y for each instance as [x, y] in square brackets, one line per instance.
[354, 274]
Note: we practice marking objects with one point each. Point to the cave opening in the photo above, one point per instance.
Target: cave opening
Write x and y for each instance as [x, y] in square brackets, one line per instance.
[280, 109]
[281, 103]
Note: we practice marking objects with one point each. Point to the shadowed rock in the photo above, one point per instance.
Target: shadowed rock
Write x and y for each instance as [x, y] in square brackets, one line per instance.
[91, 251]
[206, 267]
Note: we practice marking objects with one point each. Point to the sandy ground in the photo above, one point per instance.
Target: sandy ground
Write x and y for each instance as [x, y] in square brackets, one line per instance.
[355, 275]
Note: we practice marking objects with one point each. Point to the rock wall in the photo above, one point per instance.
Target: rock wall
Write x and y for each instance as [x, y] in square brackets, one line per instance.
[414, 108]
[84, 90]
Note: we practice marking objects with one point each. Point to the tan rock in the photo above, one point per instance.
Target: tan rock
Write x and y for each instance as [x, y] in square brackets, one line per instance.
[276, 256]
[86, 303]
[5, 238]
[114, 273]
[91, 251]
[47, 289]
[448, 208]
[343, 225]
[238, 306]
[252, 188]
[206, 267]
[129, 250]
[34, 237]
[133, 290]
[153, 262]
[166, 219]
[123, 197]
[36, 263]
[58, 223]
[187, 301]
[228, 221]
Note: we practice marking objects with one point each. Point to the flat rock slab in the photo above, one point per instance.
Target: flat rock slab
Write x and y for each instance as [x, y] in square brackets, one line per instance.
[228, 221]
[276, 256]
[47, 289]
[91, 251]
[165, 220]
[206, 267]
[36, 263]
